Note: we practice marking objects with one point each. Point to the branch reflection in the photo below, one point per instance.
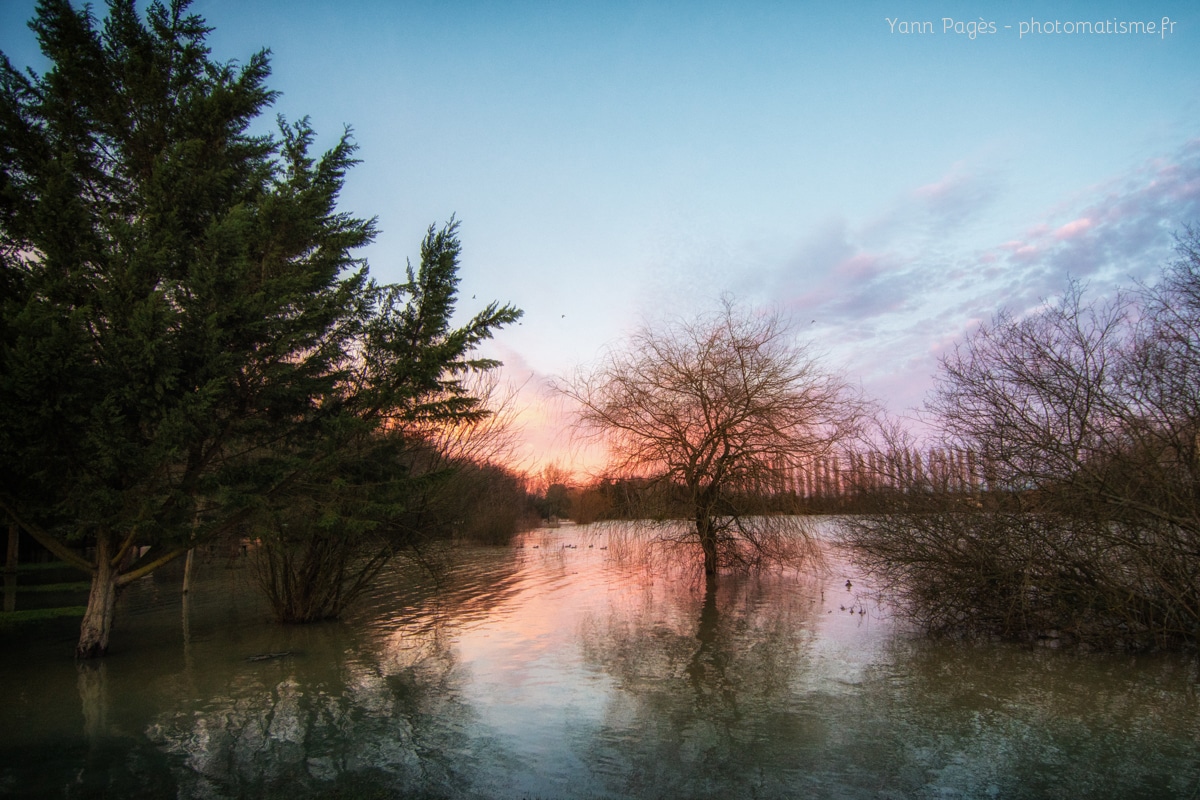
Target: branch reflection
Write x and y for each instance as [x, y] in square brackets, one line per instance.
[706, 678]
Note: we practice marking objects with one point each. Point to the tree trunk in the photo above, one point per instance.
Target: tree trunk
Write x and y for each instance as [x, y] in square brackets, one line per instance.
[708, 543]
[710, 556]
[10, 569]
[102, 604]
[14, 548]
[187, 571]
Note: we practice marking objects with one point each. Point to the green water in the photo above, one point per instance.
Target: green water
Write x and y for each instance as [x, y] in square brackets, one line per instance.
[577, 672]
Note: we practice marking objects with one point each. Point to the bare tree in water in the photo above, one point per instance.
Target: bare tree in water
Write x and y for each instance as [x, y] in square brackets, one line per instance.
[707, 417]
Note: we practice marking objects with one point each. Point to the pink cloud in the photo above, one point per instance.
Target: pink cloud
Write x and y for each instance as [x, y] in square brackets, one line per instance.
[1073, 228]
[891, 298]
[545, 419]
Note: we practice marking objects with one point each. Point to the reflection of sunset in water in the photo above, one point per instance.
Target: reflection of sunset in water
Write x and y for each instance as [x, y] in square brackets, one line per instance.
[580, 662]
[598, 634]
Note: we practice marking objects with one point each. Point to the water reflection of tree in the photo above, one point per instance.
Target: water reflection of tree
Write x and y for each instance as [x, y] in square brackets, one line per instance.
[374, 709]
[726, 693]
[370, 709]
[93, 758]
[329, 719]
[706, 681]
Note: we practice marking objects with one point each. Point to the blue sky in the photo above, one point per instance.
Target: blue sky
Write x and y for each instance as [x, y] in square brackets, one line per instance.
[616, 161]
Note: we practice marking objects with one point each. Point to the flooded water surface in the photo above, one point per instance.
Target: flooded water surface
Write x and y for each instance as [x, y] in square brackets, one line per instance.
[566, 666]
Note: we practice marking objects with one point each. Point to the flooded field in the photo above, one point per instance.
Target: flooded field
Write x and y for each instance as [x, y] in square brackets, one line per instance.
[570, 666]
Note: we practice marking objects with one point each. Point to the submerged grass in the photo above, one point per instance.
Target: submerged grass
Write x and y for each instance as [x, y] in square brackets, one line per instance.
[77, 586]
[13, 621]
[42, 566]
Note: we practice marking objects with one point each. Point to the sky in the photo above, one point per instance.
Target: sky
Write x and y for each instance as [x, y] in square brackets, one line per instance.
[887, 174]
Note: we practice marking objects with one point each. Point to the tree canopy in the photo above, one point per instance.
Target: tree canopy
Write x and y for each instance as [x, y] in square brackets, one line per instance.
[187, 333]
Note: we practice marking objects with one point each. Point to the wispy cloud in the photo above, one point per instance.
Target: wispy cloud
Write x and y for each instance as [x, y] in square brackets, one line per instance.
[936, 209]
[890, 296]
[886, 297]
[1118, 232]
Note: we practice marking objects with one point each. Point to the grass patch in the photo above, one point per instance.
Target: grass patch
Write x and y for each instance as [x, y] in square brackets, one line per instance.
[80, 586]
[22, 620]
[42, 566]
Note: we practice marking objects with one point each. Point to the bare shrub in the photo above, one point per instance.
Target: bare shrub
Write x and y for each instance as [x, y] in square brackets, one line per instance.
[467, 488]
[1083, 420]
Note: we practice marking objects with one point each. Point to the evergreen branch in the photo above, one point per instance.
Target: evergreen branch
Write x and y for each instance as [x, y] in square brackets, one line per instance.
[46, 539]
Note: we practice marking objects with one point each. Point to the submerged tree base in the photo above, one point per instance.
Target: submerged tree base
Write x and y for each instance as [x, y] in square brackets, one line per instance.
[314, 579]
[770, 543]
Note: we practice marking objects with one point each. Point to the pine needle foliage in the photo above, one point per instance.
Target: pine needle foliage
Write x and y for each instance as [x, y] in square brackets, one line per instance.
[188, 337]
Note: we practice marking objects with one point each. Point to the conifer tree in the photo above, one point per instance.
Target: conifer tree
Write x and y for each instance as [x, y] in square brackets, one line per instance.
[187, 335]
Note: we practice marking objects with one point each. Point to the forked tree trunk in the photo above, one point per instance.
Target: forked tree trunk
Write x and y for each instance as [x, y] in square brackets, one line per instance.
[102, 604]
